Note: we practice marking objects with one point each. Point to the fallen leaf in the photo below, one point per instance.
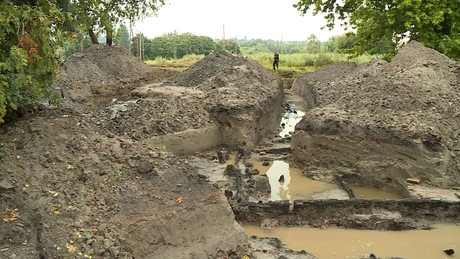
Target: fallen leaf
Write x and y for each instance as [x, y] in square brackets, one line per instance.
[71, 248]
[94, 231]
[179, 200]
[12, 216]
[55, 194]
[21, 164]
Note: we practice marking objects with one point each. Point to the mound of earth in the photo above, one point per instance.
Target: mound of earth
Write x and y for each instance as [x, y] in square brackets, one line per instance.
[387, 121]
[96, 178]
[90, 79]
[70, 190]
[221, 100]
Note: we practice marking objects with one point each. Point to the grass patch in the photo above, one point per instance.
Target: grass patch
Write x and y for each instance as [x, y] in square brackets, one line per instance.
[298, 62]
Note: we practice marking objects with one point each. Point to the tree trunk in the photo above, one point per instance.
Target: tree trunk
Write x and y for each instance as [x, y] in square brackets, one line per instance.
[92, 36]
[109, 39]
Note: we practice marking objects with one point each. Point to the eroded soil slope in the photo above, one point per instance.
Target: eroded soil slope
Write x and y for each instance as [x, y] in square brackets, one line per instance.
[397, 119]
[219, 100]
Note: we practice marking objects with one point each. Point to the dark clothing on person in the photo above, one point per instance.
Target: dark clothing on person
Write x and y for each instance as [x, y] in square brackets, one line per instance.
[276, 61]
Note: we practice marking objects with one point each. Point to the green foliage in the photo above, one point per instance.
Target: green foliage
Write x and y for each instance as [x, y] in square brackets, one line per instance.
[306, 61]
[176, 46]
[329, 45]
[313, 44]
[76, 45]
[434, 23]
[30, 34]
[343, 43]
[123, 37]
[323, 60]
[161, 147]
[106, 15]
[230, 46]
[119, 175]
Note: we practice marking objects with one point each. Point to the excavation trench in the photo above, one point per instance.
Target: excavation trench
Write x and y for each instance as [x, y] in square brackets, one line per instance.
[314, 211]
[101, 177]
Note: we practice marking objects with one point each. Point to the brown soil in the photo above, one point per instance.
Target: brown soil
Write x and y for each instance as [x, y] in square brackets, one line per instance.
[91, 79]
[101, 176]
[399, 119]
[88, 180]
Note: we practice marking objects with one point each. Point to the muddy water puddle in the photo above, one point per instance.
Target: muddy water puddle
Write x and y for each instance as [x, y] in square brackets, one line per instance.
[370, 193]
[346, 243]
[296, 186]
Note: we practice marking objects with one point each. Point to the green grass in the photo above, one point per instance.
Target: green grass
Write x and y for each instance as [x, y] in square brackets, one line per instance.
[164, 61]
[299, 63]
[306, 61]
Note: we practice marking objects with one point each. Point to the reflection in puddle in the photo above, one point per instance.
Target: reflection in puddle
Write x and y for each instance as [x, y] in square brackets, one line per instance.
[354, 244]
[289, 120]
[297, 187]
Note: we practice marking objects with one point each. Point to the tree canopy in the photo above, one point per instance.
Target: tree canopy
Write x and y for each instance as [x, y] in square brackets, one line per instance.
[434, 23]
[105, 15]
[30, 32]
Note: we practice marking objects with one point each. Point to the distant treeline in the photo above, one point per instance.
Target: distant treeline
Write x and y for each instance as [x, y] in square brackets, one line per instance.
[175, 46]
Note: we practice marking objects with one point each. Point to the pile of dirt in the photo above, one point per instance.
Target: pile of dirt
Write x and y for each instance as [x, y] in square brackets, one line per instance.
[412, 101]
[229, 81]
[218, 93]
[102, 63]
[90, 79]
[70, 190]
[205, 68]
[79, 181]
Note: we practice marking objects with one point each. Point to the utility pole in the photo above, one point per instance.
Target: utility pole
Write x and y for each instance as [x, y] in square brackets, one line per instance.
[142, 47]
[139, 49]
[223, 38]
[175, 44]
[130, 35]
[279, 47]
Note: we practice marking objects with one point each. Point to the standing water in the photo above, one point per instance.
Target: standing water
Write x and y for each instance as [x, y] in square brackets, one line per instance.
[356, 244]
[298, 187]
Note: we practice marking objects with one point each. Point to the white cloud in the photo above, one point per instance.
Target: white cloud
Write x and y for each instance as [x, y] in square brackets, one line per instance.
[265, 19]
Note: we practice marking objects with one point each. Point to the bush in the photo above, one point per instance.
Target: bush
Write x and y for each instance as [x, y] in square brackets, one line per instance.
[323, 60]
[27, 54]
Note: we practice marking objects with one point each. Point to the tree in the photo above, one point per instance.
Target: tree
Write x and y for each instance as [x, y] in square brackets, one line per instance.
[77, 45]
[123, 37]
[329, 45]
[175, 46]
[30, 33]
[230, 46]
[313, 44]
[105, 15]
[434, 23]
[343, 43]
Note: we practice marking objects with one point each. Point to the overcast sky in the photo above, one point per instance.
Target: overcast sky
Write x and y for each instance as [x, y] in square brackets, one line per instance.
[264, 19]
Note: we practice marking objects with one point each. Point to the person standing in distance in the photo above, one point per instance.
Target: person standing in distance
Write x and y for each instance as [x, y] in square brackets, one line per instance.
[276, 60]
